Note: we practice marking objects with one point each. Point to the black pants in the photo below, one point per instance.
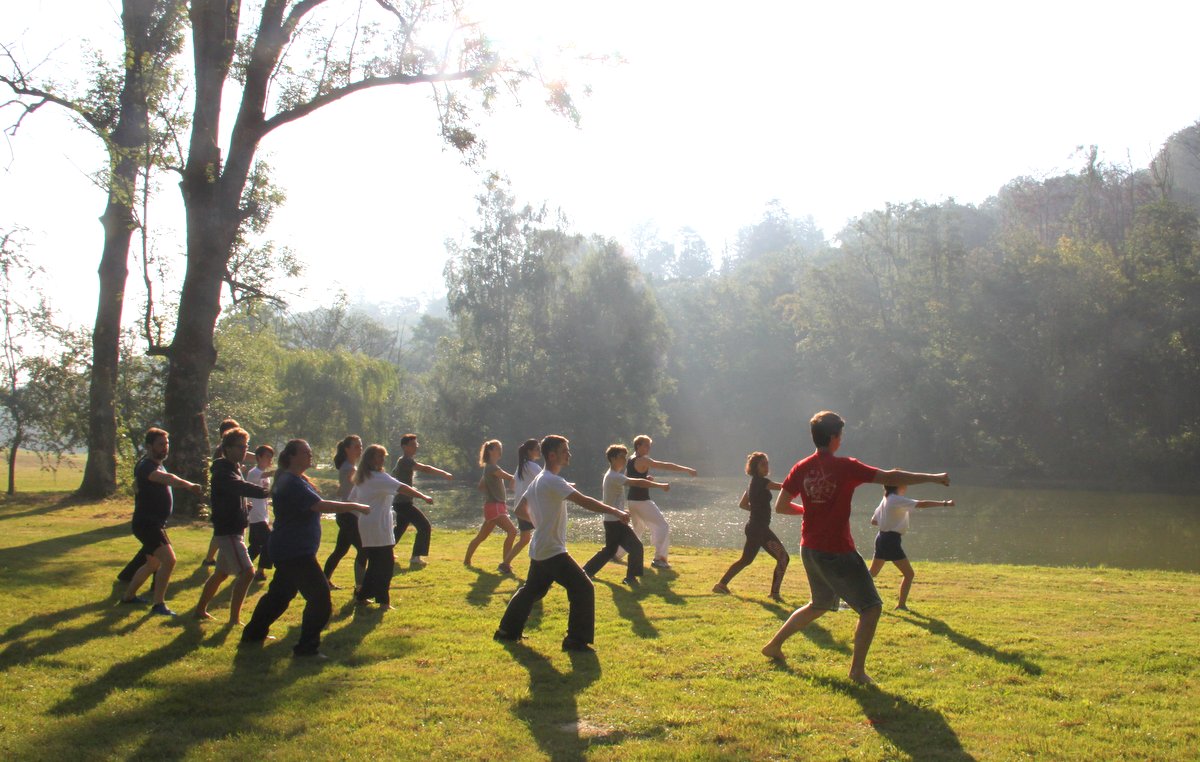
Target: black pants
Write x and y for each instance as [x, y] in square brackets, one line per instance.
[260, 537]
[407, 513]
[131, 568]
[294, 575]
[581, 619]
[378, 578]
[347, 538]
[761, 537]
[617, 534]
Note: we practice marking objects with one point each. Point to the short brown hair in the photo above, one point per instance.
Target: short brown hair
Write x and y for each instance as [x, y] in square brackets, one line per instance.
[407, 439]
[262, 450]
[153, 433]
[640, 440]
[616, 451]
[234, 436]
[552, 443]
[826, 425]
[752, 461]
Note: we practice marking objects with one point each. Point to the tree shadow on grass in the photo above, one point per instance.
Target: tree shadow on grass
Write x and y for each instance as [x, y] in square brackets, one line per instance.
[39, 505]
[483, 589]
[917, 731]
[23, 563]
[114, 620]
[551, 711]
[938, 627]
[630, 608]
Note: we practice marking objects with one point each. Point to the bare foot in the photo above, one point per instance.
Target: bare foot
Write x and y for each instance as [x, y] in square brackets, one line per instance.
[721, 589]
[204, 615]
[234, 623]
[773, 652]
[777, 597]
[901, 607]
[862, 678]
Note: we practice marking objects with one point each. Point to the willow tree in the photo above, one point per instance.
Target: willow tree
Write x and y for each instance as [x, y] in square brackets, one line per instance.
[125, 106]
[291, 60]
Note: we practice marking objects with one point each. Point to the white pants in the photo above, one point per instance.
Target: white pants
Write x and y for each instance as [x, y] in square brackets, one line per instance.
[645, 514]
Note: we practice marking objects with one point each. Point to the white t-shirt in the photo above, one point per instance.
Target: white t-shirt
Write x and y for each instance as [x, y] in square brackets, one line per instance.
[532, 469]
[258, 506]
[377, 490]
[892, 513]
[546, 494]
[613, 492]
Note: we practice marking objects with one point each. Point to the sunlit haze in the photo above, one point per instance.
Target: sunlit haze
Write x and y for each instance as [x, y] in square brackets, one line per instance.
[834, 109]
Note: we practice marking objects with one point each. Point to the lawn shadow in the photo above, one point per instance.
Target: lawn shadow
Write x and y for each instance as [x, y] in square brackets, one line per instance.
[917, 731]
[630, 608]
[21, 561]
[483, 589]
[780, 611]
[19, 651]
[40, 508]
[659, 584]
[938, 627]
[551, 711]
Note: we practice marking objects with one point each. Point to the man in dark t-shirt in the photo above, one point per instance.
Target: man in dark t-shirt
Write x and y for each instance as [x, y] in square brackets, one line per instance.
[406, 512]
[152, 503]
[835, 570]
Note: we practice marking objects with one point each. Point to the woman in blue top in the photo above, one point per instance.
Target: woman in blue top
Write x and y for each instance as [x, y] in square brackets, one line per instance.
[293, 548]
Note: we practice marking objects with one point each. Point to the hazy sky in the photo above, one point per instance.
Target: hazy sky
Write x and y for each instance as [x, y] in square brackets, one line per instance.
[832, 108]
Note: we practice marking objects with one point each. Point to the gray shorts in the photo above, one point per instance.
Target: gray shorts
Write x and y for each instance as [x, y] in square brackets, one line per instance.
[834, 576]
[232, 556]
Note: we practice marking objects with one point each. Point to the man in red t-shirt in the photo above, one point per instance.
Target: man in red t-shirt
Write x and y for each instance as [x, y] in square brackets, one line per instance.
[825, 483]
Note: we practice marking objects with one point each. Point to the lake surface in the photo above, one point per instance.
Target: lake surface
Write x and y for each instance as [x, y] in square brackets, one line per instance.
[988, 525]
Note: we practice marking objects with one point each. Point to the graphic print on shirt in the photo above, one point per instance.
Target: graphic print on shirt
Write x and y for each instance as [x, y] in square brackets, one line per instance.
[818, 486]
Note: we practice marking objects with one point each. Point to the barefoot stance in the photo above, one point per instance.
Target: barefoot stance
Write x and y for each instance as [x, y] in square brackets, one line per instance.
[204, 615]
[862, 678]
[773, 652]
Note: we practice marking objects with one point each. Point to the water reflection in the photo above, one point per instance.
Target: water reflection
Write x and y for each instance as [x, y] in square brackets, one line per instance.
[989, 525]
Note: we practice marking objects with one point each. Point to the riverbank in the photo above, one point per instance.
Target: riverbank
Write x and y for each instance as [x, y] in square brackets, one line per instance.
[993, 662]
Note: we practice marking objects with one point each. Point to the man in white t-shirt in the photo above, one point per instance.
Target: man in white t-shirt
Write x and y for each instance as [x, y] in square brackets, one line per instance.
[549, 561]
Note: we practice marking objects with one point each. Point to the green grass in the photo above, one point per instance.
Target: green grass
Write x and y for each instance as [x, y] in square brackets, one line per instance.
[31, 476]
[993, 662]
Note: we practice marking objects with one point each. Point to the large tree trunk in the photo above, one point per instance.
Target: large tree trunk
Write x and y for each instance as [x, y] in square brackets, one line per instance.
[149, 28]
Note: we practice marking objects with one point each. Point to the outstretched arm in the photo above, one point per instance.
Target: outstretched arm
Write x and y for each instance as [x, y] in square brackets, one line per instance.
[171, 480]
[646, 483]
[425, 468]
[668, 466]
[897, 478]
[784, 504]
[594, 505]
[338, 506]
[934, 503]
[404, 489]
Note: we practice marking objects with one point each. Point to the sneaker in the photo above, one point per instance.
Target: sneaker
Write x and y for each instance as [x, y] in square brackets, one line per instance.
[137, 599]
[161, 610]
[843, 606]
[504, 569]
[417, 561]
[504, 637]
[658, 563]
[631, 581]
[577, 646]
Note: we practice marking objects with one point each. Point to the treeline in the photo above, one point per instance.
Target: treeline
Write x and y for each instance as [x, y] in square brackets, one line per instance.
[1047, 334]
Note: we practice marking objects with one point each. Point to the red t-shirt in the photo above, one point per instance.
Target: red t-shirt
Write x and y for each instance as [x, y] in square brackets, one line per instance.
[826, 485]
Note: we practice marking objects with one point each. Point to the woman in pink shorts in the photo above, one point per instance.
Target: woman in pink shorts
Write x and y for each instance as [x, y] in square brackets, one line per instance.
[495, 510]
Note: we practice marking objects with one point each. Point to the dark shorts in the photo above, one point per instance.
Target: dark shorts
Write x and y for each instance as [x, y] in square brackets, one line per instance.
[844, 576]
[523, 525]
[887, 546]
[151, 536]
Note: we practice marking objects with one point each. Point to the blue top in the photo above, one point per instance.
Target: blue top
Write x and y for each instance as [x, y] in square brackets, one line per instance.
[297, 530]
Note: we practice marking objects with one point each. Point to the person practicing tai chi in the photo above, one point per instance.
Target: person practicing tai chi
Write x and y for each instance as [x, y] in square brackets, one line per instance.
[294, 543]
[349, 450]
[495, 510]
[259, 534]
[528, 455]
[152, 503]
[210, 558]
[892, 519]
[617, 533]
[826, 484]
[374, 487]
[406, 512]
[757, 500]
[544, 503]
[228, 493]
[642, 509]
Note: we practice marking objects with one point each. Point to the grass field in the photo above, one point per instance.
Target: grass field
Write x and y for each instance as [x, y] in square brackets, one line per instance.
[993, 662]
[30, 476]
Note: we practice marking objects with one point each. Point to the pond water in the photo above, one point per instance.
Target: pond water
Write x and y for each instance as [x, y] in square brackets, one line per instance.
[988, 524]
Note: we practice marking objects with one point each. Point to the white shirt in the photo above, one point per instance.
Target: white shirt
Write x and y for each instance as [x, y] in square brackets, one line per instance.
[546, 494]
[377, 490]
[892, 513]
[532, 469]
[613, 492]
[258, 505]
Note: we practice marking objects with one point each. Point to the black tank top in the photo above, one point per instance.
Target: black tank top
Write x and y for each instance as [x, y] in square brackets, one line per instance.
[637, 493]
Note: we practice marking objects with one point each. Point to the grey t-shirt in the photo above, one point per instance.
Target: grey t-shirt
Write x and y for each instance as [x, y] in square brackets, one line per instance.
[493, 485]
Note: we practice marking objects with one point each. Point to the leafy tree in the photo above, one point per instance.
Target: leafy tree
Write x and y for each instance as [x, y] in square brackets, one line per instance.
[128, 107]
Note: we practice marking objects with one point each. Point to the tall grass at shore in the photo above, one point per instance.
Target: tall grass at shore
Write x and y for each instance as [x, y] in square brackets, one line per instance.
[992, 662]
